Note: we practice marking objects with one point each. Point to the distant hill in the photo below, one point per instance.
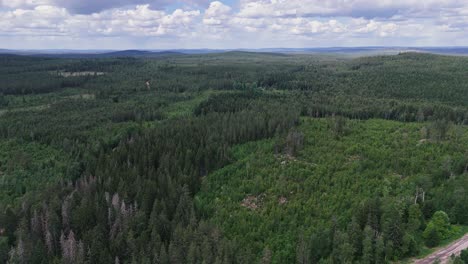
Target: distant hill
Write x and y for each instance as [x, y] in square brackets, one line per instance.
[370, 50]
[250, 53]
[447, 50]
[114, 54]
[8, 51]
[196, 51]
[353, 51]
[139, 53]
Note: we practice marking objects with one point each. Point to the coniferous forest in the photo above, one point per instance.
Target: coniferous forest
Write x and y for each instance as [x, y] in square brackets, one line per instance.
[233, 157]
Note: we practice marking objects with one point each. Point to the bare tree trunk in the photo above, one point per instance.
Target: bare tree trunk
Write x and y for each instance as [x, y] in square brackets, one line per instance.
[416, 196]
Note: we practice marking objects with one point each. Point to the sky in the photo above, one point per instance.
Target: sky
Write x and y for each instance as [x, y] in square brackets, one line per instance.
[230, 24]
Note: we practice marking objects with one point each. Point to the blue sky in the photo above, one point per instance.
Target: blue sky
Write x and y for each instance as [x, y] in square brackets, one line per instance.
[168, 24]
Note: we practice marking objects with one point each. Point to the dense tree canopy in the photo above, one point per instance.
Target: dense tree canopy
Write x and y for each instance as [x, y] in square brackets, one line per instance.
[231, 158]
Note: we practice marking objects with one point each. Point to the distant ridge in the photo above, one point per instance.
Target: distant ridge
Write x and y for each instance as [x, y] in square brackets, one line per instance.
[247, 53]
[359, 51]
[125, 53]
[139, 53]
[113, 54]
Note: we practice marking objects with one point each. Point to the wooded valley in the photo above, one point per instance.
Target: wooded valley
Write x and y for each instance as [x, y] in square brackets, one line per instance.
[233, 157]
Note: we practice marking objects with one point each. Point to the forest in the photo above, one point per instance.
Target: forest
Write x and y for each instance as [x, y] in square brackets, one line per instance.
[234, 157]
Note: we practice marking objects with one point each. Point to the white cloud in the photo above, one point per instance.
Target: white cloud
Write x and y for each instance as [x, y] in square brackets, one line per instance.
[381, 29]
[354, 8]
[216, 9]
[217, 14]
[42, 20]
[139, 21]
[24, 3]
[249, 22]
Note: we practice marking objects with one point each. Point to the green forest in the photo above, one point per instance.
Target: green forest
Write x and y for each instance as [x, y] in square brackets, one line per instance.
[232, 157]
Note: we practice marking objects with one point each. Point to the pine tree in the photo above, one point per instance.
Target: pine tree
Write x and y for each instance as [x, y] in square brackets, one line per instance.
[302, 251]
[175, 255]
[379, 250]
[432, 236]
[206, 251]
[355, 236]
[368, 246]
[414, 218]
[184, 209]
[192, 256]
[163, 257]
[343, 251]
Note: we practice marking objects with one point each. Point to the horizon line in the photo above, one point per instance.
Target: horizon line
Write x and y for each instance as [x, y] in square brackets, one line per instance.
[169, 49]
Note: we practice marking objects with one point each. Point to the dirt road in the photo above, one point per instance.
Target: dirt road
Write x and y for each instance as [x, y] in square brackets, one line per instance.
[444, 253]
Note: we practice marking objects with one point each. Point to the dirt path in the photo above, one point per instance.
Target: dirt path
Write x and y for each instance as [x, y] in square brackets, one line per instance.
[444, 254]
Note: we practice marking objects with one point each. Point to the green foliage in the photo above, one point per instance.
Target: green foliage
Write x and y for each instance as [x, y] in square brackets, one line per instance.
[27, 167]
[338, 125]
[432, 236]
[211, 162]
[331, 177]
[4, 248]
[415, 219]
[456, 260]
[464, 255]
[437, 229]
[368, 246]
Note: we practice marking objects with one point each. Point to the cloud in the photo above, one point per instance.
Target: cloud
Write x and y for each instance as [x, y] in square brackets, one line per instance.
[251, 23]
[265, 18]
[96, 6]
[41, 21]
[352, 8]
[23, 3]
[138, 21]
[217, 14]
